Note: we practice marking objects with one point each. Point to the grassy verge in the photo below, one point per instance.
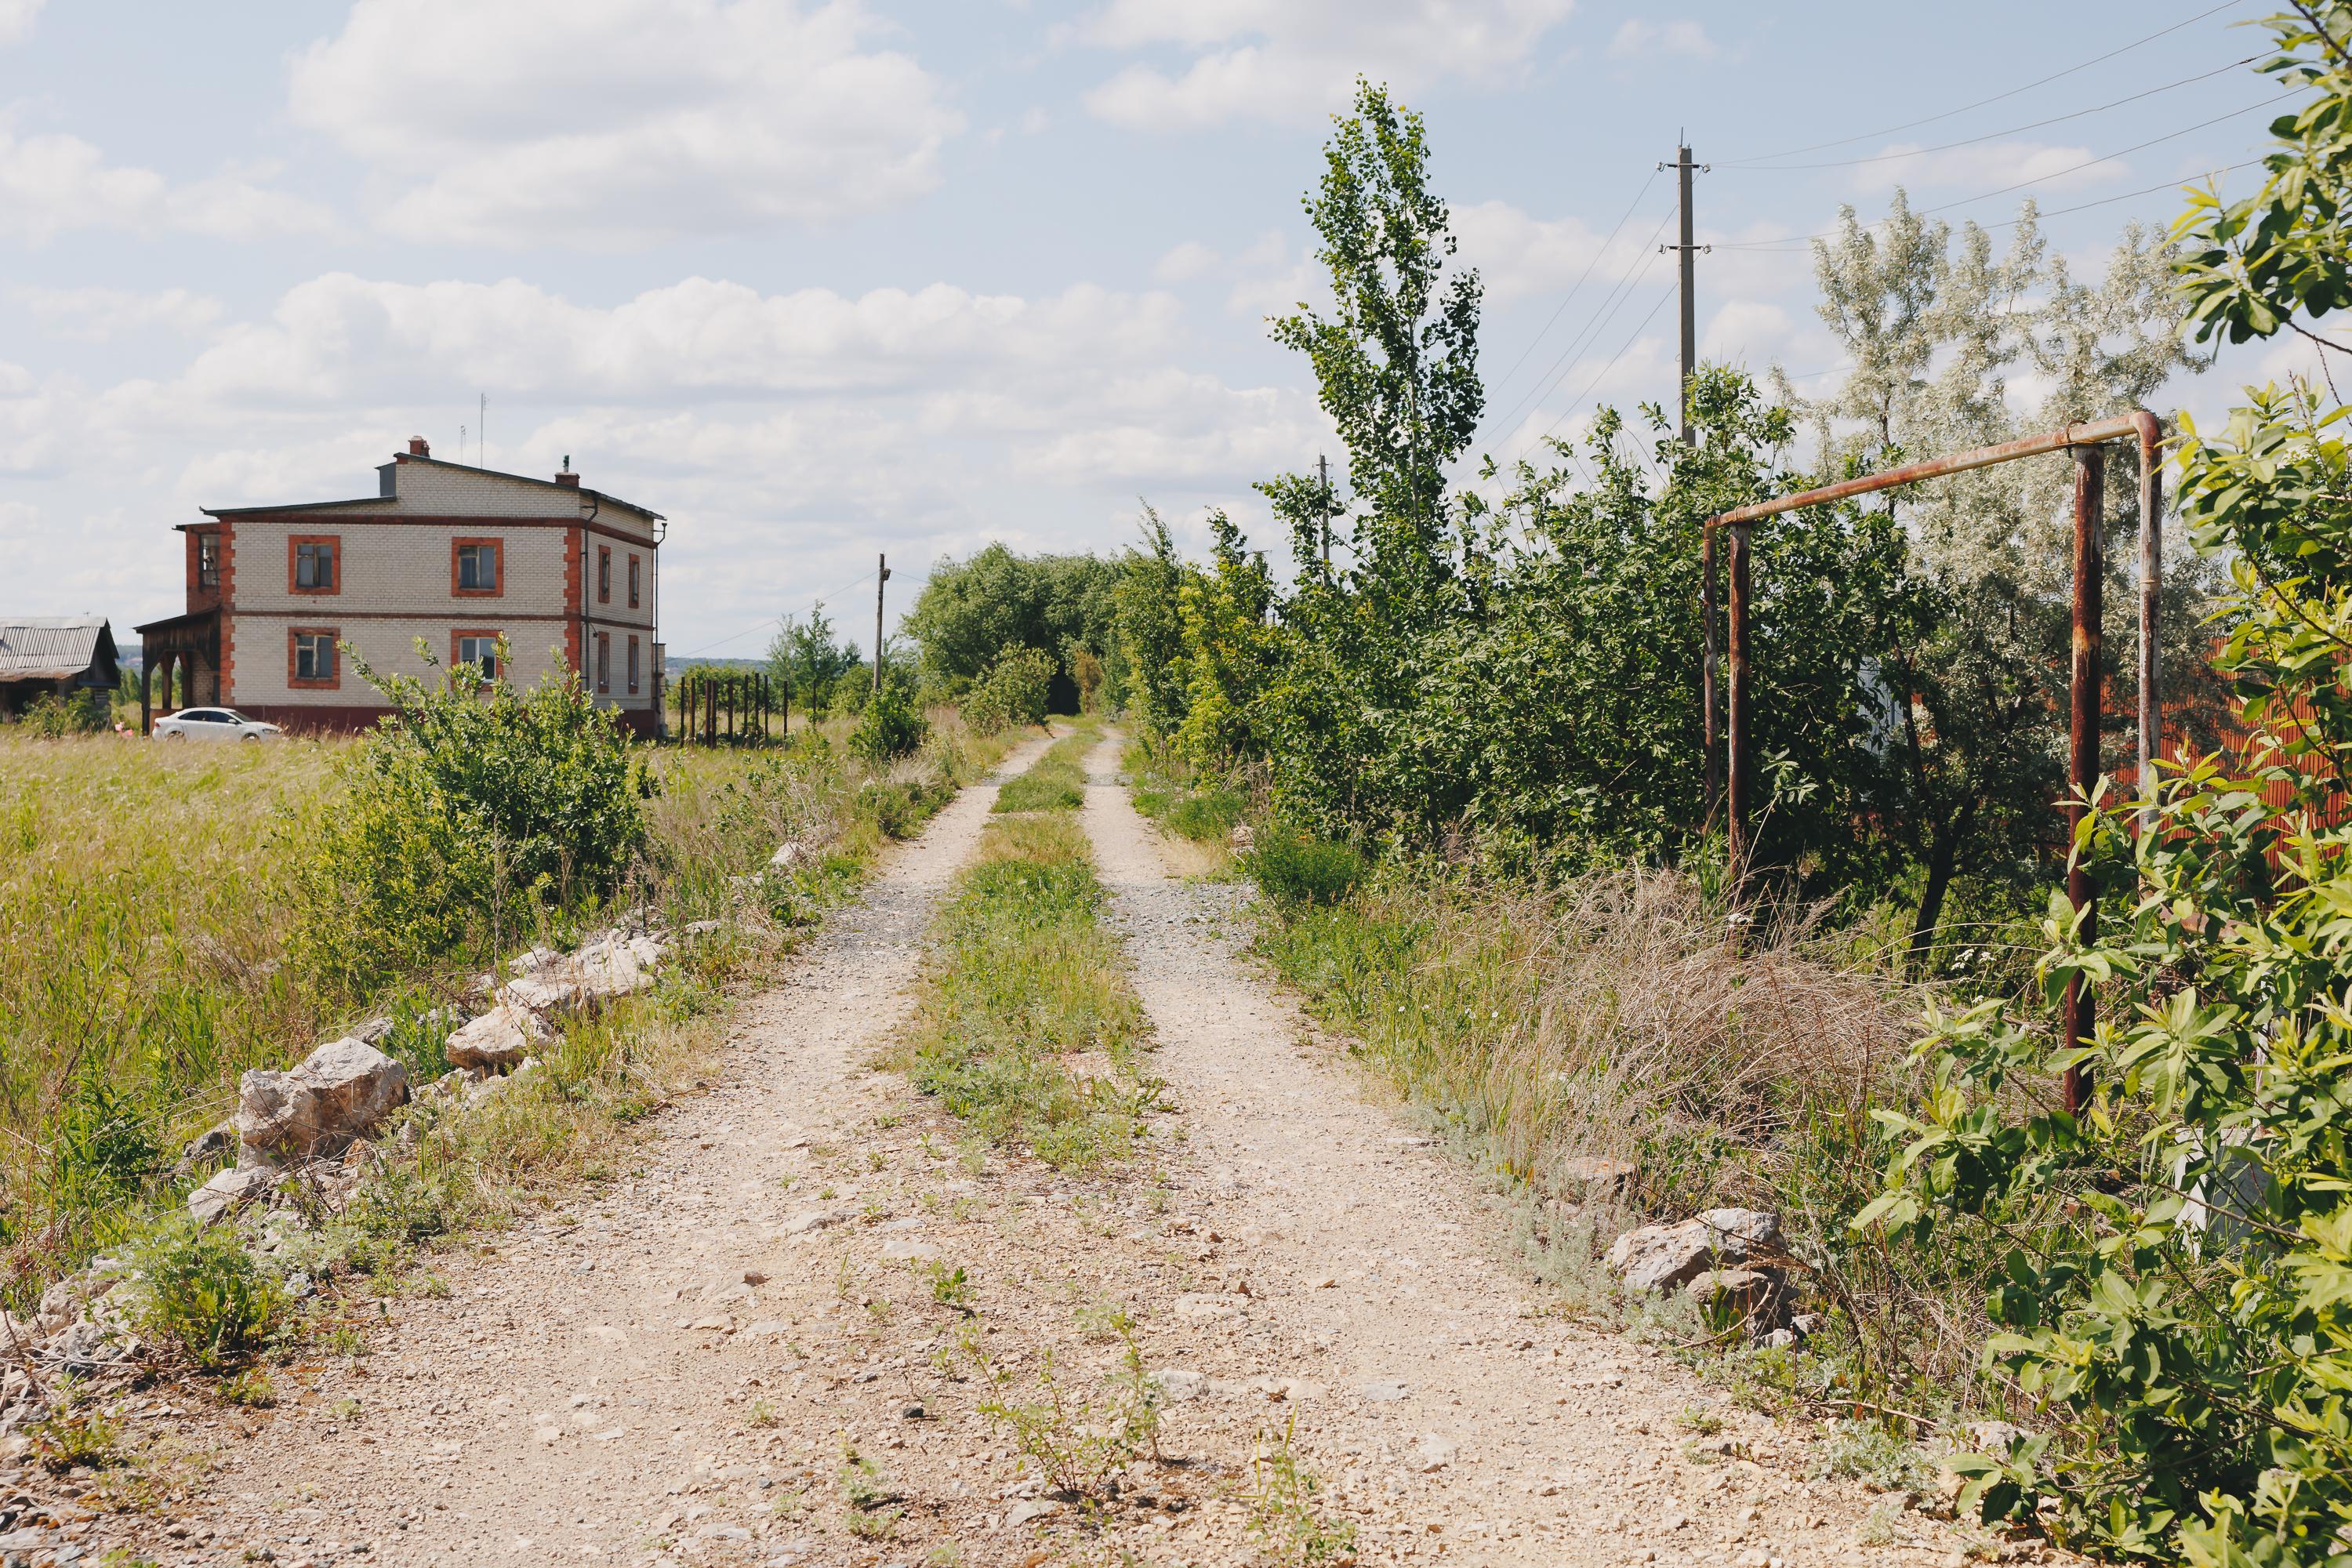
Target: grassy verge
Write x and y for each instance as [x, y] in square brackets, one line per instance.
[1540, 1032]
[149, 910]
[1202, 813]
[1028, 1028]
[1056, 781]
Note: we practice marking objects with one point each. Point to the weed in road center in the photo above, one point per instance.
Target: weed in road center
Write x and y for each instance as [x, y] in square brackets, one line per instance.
[1028, 1028]
[1055, 782]
[1281, 1506]
[1077, 1441]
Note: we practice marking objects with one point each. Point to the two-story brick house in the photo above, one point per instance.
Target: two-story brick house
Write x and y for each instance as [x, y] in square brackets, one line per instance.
[453, 554]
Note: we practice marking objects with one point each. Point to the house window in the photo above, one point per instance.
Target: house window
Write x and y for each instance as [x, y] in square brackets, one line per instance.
[633, 663]
[313, 563]
[475, 566]
[312, 658]
[603, 661]
[632, 582]
[208, 560]
[604, 575]
[480, 649]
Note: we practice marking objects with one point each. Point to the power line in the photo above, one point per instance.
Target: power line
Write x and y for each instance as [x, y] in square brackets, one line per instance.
[2037, 179]
[1999, 97]
[1504, 379]
[1592, 328]
[1623, 349]
[1995, 135]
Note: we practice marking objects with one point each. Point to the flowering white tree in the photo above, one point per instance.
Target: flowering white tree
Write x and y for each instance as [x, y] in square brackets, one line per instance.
[1954, 347]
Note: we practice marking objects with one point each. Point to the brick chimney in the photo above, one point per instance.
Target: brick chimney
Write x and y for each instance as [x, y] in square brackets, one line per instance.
[419, 448]
[564, 476]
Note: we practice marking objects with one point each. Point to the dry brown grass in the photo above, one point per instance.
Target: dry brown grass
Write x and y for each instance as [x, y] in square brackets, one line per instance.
[1613, 1018]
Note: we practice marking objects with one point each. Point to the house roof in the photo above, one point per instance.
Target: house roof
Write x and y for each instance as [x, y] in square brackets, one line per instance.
[52, 647]
[427, 460]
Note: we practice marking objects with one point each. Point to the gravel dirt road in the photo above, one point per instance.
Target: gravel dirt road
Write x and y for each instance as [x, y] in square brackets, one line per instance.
[755, 1349]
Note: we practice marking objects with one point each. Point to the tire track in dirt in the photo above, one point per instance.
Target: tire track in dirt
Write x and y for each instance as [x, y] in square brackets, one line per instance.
[558, 1403]
[1451, 1409]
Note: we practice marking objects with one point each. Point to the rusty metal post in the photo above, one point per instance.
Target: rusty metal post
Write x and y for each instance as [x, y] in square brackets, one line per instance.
[1735, 772]
[2151, 583]
[2080, 1009]
[1706, 674]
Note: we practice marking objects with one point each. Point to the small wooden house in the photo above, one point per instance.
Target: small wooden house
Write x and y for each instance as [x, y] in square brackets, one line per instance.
[55, 655]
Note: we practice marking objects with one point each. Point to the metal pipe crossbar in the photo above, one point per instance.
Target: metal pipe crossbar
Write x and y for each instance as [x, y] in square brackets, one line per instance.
[2084, 441]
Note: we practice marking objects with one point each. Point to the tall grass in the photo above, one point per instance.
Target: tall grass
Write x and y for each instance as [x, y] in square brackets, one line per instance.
[1611, 1019]
[1028, 1027]
[151, 907]
[1056, 781]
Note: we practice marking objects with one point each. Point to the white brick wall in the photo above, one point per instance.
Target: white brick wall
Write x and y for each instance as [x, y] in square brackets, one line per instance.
[399, 567]
[389, 645]
[394, 583]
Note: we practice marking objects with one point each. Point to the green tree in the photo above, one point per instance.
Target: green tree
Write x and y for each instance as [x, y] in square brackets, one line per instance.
[1147, 651]
[971, 612]
[805, 660]
[1938, 331]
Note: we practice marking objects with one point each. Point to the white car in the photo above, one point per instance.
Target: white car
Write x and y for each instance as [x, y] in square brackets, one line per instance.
[213, 725]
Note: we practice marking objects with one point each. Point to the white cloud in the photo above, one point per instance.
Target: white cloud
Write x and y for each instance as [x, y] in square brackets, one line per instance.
[345, 336]
[17, 18]
[607, 123]
[1635, 36]
[1990, 167]
[1517, 254]
[97, 315]
[1296, 59]
[1185, 262]
[1747, 332]
[55, 182]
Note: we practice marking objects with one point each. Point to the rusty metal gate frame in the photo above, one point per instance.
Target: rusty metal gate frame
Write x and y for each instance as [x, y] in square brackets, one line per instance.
[2078, 1012]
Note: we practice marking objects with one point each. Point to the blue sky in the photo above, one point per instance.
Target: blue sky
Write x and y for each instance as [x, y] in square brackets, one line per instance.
[818, 280]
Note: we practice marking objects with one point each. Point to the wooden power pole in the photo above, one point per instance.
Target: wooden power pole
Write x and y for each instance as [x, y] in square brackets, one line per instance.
[881, 575]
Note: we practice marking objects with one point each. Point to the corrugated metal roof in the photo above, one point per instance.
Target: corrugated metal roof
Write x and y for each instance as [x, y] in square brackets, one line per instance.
[49, 647]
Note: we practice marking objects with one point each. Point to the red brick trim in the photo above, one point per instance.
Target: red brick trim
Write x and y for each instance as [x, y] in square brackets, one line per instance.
[575, 546]
[604, 663]
[499, 557]
[603, 573]
[333, 682]
[644, 541]
[634, 578]
[294, 543]
[456, 632]
[227, 683]
[634, 666]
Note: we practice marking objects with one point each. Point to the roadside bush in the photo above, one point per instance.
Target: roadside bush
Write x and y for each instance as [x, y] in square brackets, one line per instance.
[472, 806]
[1296, 872]
[205, 1296]
[53, 718]
[891, 727]
[1207, 816]
[1014, 692]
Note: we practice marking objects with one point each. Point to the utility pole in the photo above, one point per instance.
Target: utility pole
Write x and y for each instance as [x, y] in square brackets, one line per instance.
[1323, 477]
[1686, 256]
[881, 575]
[1683, 168]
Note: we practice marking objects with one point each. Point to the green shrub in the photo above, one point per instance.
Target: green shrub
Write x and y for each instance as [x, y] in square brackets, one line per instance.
[105, 1149]
[85, 712]
[892, 727]
[473, 804]
[1207, 818]
[1013, 691]
[1295, 871]
[203, 1295]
